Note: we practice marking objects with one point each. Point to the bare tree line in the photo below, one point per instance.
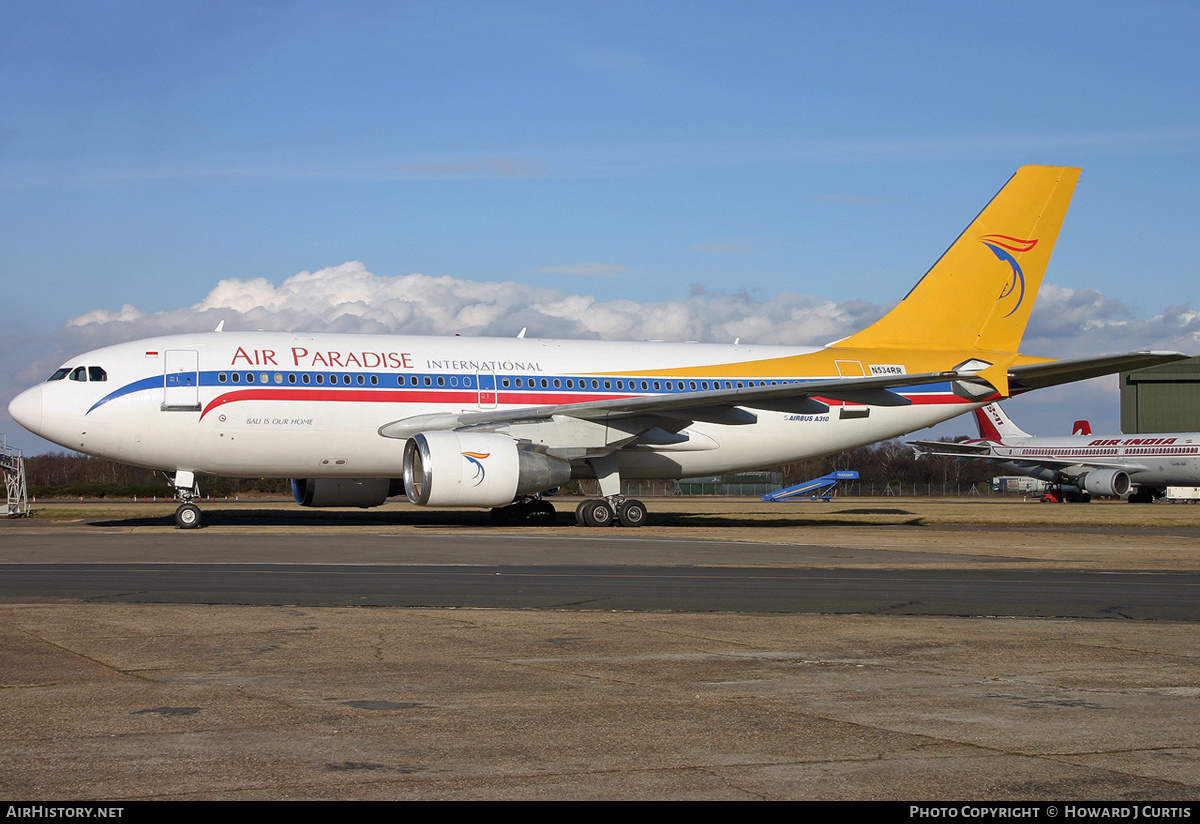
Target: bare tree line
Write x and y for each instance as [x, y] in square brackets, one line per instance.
[64, 474]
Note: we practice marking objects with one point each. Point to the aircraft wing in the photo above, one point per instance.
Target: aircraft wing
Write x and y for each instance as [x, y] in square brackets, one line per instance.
[951, 450]
[730, 406]
[727, 406]
[1053, 373]
[978, 450]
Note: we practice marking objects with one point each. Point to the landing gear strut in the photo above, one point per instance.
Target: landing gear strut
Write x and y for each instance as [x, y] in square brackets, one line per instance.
[187, 516]
[613, 507]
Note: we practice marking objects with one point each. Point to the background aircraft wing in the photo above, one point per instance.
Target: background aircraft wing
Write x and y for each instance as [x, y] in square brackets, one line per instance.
[977, 450]
[952, 450]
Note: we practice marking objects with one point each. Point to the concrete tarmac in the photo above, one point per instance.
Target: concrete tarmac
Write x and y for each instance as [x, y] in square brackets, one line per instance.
[117, 702]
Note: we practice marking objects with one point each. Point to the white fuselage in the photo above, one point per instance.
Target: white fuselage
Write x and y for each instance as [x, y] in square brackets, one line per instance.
[1159, 459]
[275, 404]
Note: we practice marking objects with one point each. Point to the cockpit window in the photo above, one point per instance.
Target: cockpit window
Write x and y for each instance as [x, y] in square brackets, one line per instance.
[79, 373]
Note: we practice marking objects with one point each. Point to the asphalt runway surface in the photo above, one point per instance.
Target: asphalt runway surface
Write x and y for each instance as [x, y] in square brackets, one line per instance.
[1027, 593]
[255, 662]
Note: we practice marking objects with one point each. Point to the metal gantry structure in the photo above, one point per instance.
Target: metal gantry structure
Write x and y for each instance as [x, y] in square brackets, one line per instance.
[12, 463]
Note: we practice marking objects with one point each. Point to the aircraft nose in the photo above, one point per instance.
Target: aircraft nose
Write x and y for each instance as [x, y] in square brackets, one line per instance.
[26, 409]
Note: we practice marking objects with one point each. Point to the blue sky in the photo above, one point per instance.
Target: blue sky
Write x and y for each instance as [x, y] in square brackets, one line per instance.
[645, 152]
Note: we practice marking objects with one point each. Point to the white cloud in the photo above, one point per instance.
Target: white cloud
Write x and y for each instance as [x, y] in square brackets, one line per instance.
[1065, 322]
[349, 298]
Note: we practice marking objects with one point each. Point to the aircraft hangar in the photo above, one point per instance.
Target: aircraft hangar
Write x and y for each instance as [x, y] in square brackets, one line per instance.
[1162, 398]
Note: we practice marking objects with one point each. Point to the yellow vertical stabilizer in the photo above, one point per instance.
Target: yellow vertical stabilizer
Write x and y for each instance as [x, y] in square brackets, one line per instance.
[980, 292]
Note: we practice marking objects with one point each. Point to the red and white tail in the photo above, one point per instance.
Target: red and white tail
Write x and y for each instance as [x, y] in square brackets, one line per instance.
[995, 425]
[1081, 428]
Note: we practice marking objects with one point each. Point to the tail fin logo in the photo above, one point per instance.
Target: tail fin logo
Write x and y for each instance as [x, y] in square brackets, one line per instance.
[1003, 247]
[476, 459]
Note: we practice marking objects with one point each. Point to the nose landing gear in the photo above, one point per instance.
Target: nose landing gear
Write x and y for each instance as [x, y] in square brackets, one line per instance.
[187, 515]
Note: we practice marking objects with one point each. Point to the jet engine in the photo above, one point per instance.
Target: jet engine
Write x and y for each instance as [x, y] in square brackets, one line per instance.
[362, 492]
[443, 468]
[1106, 483]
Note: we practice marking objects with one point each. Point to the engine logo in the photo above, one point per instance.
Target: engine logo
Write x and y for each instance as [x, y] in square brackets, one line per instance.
[476, 458]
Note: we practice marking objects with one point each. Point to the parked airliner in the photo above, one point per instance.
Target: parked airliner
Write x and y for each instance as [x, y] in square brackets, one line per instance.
[485, 422]
[1137, 467]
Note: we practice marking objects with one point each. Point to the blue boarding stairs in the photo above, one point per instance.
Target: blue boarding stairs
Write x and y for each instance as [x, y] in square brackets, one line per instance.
[818, 489]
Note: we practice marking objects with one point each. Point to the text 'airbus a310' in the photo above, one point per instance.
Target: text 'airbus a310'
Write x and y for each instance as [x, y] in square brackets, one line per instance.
[486, 422]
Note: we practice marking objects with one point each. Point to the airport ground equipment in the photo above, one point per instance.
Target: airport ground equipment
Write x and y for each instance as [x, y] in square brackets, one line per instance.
[12, 462]
[818, 489]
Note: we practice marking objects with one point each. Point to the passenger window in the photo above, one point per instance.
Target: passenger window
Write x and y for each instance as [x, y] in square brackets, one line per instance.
[95, 373]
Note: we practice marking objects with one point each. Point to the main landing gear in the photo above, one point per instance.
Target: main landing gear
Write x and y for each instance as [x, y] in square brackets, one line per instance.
[592, 512]
[612, 507]
[601, 512]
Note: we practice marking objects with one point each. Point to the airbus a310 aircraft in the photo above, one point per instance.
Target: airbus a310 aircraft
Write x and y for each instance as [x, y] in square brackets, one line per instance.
[485, 422]
[1137, 467]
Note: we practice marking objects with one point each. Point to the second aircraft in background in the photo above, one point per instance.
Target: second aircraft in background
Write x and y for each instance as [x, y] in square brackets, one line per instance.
[1137, 467]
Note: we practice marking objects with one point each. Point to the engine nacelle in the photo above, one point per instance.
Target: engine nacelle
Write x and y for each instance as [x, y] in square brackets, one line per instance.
[444, 468]
[362, 492]
[1106, 483]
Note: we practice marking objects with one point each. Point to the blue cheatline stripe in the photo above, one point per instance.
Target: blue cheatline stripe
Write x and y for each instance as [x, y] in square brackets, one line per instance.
[530, 389]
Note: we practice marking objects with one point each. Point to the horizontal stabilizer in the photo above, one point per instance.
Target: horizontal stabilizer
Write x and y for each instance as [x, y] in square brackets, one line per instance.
[1040, 375]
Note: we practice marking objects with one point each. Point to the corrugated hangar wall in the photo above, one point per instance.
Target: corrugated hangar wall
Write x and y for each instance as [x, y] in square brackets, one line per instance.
[1162, 398]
